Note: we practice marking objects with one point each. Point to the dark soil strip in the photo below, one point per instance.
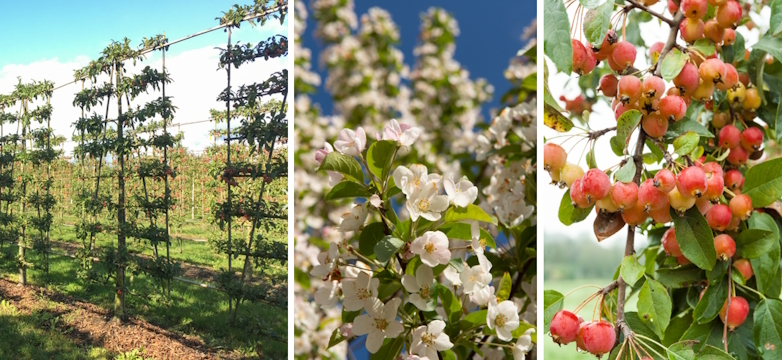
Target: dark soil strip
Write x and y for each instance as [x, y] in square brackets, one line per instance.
[92, 325]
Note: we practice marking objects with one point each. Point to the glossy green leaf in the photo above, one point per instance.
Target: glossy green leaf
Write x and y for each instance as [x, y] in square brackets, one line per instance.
[471, 212]
[673, 63]
[654, 306]
[763, 182]
[343, 164]
[556, 35]
[379, 157]
[625, 126]
[626, 173]
[695, 238]
[631, 270]
[370, 236]
[347, 189]
[387, 247]
[754, 243]
[686, 143]
[712, 301]
[767, 330]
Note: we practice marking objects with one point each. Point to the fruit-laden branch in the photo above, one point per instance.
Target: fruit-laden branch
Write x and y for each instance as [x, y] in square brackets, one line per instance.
[637, 5]
[630, 243]
[677, 20]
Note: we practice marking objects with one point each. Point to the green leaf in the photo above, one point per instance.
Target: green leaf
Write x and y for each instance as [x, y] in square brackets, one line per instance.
[681, 351]
[679, 277]
[695, 238]
[590, 4]
[451, 304]
[462, 231]
[712, 301]
[682, 126]
[548, 99]
[552, 303]
[336, 338]
[654, 306]
[379, 157]
[673, 63]
[754, 243]
[763, 183]
[555, 120]
[596, 22]
[473, 319]
[767, 331]
[626, 173]
[346, 189]
[569, 214]
[556, 35]
[711, 353]
[771, 45]
[686, 143]
[704, 46]
[776, 17]
[370, 236]
[503, 290]
[631, 270]
[387, 247]
[343, 164]
[778, 126]
[766, 267]
[625, 126]
[471, 212]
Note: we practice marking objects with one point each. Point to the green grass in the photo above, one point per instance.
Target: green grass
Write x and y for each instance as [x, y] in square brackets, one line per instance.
[22, 337]
[568, 352]
[193, 310]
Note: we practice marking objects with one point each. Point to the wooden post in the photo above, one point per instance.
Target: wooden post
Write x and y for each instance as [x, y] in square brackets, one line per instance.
[119, 297]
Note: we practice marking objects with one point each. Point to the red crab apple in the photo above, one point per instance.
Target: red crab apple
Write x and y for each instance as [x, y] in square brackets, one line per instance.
[725, 246]
[729, 38]
[655, 50]
[692, 181]
[729, 137]
[741, 206]
[654, 125]
[704, 91]
[712, 70]
[664, 180]
[670, 245]
[752, 138]
[564, 327]
[673, 108]
[688, 79]
[718, 217]
[653, 87]
[738, 156]
[650, 197]
[734, 180]
[554, 157]
[744, 267]
[580, 338]
[577, 196]
[629, 89]
[693, 9]
[713, 31]
[751, 100]
[569, 173]
[595, 185]
[608, 84]
[730, 80]
[624, 195]
[623, 54]
[635, 215]
[691, 30]
[607, 46]
[739, 309]
[728, 15]
[599, 338]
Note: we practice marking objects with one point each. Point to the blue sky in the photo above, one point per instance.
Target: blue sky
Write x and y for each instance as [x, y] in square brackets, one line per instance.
[43, 29]
[63, 37]
[490, 35]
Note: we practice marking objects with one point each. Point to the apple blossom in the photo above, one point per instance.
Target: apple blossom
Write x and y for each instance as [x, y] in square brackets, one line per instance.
[327, 262]
[351, 142]
[427, 203]
[523, 345]
[328, 294]
[482, 296]
[462, 193]
[503, 318]
[354, 219]
[430, 339]
[420, 286]
[405, 134]
[432, 247]
[359, 292]
[475, 278]
[379, 323]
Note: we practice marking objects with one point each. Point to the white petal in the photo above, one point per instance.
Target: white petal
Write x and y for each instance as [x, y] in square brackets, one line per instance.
[438, 203]
[389, 312]
[353, 303]
[375, 308]
[362, 324]
[410, 283]
[475, 231]
[418, 333]
[424, 275]
[374, 341]
[442, 342]
[394, 329]
[504, 335]
[436, 327]
[418, 301]
[450, 188]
